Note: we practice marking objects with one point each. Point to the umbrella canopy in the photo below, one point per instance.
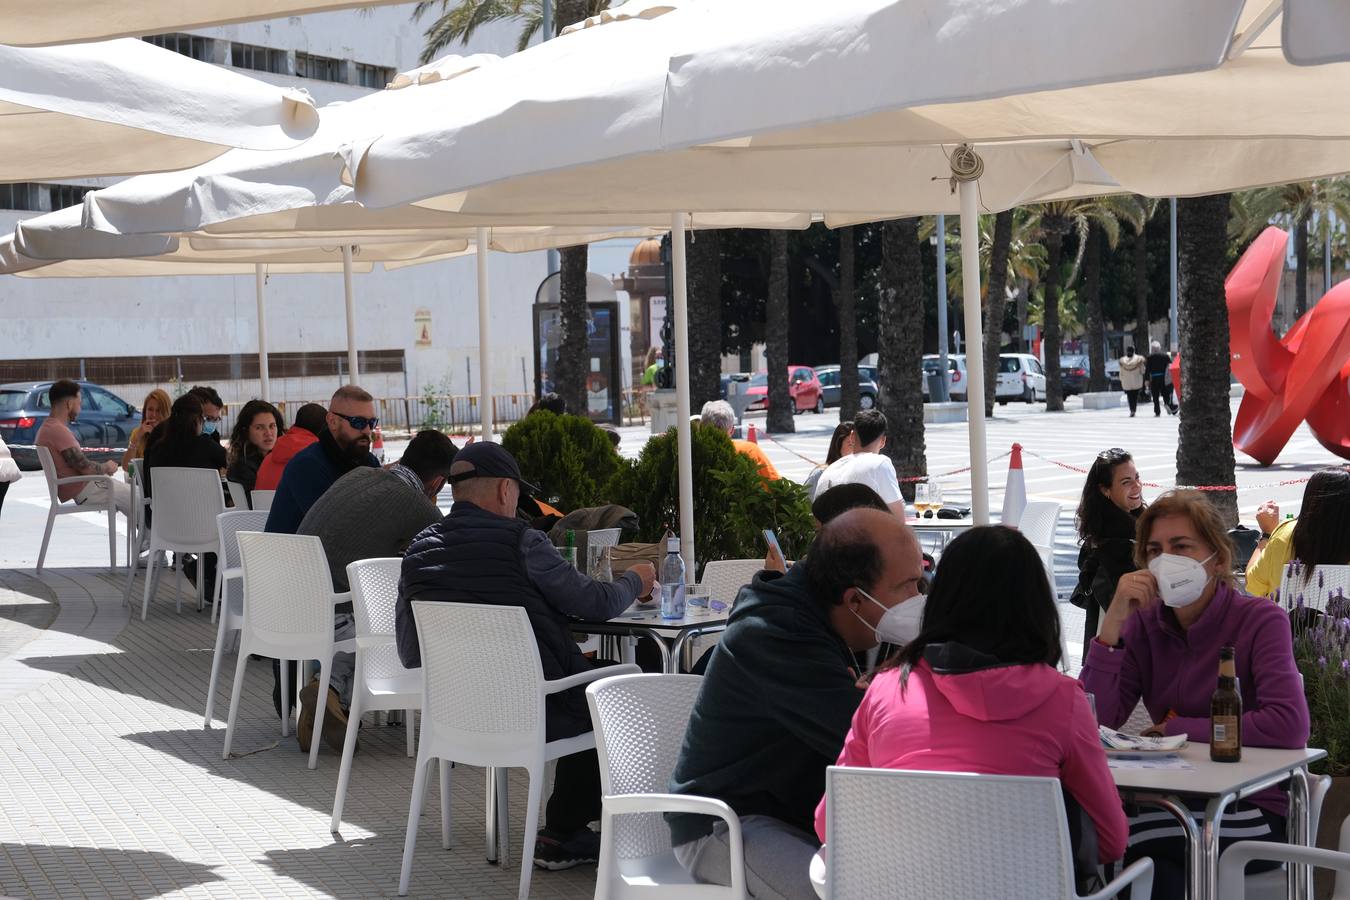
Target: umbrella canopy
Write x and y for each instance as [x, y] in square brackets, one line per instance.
[123, 107]
[63, 21]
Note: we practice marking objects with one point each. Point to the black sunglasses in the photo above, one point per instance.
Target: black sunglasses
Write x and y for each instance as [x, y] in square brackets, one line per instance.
[360, 423]
[1114, 454]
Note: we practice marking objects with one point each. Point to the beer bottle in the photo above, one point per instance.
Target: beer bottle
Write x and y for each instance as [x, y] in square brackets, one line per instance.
[1225, 713]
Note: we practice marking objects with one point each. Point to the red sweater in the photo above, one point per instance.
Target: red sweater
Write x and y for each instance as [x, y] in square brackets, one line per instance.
[289, 444]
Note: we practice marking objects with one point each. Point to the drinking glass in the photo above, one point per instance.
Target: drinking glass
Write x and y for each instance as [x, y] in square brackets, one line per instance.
[921, 500]
[598, 563]
[934, 495]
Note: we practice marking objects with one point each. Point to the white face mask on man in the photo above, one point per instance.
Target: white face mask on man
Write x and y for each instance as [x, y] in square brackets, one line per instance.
[899, 624]
[1181, 580]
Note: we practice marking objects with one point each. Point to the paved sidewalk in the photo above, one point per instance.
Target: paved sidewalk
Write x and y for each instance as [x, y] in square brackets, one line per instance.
[110, 787]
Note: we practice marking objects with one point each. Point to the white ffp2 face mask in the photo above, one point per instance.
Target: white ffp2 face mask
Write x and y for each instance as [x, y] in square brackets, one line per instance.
[1181, 580]
[899, 624]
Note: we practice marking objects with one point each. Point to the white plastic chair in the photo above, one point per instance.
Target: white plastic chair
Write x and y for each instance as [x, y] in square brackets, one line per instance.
[1315, 587]
[263, 499]
[381, 681]
[229, 602]
[238, 496]
[1039, 521]
[1274, 884]
[186, 503]
[639, 725]
[603, 537]
[288, 615]
[1233, 886]
[952, 836]
[483, 705]
[57, 508]
[724, 578]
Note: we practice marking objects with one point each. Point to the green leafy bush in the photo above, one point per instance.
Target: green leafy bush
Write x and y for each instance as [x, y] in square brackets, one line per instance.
[733, 503]
[568, 457]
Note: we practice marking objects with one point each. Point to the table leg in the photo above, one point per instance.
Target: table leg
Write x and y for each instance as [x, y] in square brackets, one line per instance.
[490, 779]
[1300, 828]
[1209, 869]
[1194, 854]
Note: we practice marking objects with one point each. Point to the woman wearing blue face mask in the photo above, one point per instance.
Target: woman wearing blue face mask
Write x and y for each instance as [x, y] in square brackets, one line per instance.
[1159, 642]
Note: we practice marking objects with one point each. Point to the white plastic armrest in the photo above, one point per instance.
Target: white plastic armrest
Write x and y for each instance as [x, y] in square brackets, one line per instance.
[342, 597]
[75, 479]
[1140, 873]
[1236, 857]
[571, 681]
[371, 641]
[618, 804]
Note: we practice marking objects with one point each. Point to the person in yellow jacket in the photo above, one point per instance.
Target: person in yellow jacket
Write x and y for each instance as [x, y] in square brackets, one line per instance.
[1319, 536]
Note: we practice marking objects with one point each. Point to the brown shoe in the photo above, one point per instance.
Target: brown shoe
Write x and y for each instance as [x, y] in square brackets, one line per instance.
[334, 722]
[304, 728]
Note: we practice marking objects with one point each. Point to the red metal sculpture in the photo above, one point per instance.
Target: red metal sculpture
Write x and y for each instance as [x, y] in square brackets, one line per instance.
[1303, 376]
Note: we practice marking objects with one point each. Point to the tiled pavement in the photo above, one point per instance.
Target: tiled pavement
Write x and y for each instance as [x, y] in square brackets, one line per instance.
[109, 786]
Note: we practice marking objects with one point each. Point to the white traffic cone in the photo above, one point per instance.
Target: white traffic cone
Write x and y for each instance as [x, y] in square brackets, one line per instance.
[1015, 491]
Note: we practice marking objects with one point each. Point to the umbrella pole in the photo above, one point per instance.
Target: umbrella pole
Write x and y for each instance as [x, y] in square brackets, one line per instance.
[970, 288]
[484, 369]
[260, 285]
[351, 312]
[683, 438]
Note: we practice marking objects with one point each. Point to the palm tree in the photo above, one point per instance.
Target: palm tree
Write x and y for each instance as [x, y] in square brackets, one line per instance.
[704, 260]
[781, 404]
[996, 295]
[848, 325]
[456, 24]
[1205, 435]
[1147, 208]
[900, 318]
[1052, 222]
[1303, 204]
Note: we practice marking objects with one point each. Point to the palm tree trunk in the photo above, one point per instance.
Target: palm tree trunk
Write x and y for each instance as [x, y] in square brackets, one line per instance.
[900, 319]
[1301, 255]
[994, 303]
[1141, 338]
[1205, 436]
[704, 257]
[848, 326]
[781, 404]
[1092, 301]
[1050, 340]
[573, 358]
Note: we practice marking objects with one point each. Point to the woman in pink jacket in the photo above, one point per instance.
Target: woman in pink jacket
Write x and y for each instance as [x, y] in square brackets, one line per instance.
[977, 689]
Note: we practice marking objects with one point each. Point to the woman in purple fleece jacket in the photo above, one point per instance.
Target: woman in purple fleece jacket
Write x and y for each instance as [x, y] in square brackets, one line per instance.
[1159, 643]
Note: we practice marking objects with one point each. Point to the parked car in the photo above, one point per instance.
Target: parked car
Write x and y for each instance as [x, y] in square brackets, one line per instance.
[803, 386]
[1020, 377]
[1073, 375]
[956, 374]
[106, 420]
[831, 387]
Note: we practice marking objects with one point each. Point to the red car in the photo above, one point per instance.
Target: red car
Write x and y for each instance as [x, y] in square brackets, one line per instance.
[802, 385]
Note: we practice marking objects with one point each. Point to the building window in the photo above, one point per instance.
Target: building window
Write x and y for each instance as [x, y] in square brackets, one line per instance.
[260, 59]
[377, 77]
[187, 44]
[21, 195]
[320, 68]
[63, 195]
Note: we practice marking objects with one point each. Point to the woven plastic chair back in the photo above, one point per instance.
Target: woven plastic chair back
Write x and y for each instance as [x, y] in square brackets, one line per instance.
[1038, 523]
[1300, 586]
[945, 836]
[481, 672]
[724, 578]
[262, 499]
[237, 495]
[49, 472]
[228, 526]
[287, 585]
[639, 726]
[374, 584]
[603, 537]
[187, 502]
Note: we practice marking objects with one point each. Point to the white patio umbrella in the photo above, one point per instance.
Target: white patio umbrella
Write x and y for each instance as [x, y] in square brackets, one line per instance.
[23, 23]
[123, 107]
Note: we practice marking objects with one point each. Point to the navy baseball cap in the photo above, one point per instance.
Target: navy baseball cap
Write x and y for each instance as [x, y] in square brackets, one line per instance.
[489, 460]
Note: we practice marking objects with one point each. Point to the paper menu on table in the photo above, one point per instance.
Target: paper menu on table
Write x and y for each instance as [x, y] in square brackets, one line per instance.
[1119, 740]
[1149, 762]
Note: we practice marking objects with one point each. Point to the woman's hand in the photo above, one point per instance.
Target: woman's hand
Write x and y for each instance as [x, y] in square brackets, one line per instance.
[1268, 516]
[774, 562]
[1134, 591]
[1159, 730]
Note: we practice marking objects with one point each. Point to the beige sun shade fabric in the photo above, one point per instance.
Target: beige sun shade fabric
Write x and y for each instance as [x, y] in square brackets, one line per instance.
[25, 23]
[123, 107]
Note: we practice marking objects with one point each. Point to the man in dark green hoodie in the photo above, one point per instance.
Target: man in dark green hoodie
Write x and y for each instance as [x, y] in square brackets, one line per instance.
[779, 697]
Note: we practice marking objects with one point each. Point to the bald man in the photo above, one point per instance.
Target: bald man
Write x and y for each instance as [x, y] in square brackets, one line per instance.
[779, 696]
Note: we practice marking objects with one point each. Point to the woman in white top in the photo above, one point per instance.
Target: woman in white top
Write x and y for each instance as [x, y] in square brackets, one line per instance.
[1132, 376]
[9, 471]
[842, 443]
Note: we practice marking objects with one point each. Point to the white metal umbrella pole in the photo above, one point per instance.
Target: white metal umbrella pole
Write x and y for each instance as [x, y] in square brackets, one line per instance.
[683, 439]
[484, 368]
[966, 170]
[260, 285]
[351, 312]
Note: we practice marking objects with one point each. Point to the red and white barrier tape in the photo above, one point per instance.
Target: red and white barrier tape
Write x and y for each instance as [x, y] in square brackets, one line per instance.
[1179, 487]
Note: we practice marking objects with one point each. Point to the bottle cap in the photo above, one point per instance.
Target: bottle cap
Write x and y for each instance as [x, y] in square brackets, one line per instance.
[672, 545]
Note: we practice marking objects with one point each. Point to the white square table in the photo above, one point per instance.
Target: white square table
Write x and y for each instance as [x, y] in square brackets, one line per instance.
[670, 635]
[1221, 784]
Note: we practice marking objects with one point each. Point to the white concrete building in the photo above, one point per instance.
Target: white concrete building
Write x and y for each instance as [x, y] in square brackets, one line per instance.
[419, 324]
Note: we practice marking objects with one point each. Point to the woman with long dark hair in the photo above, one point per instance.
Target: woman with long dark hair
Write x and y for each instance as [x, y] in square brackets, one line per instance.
[842, 443]
[255, 433]
[1112, 500]
[1320, 536]
[977, 689]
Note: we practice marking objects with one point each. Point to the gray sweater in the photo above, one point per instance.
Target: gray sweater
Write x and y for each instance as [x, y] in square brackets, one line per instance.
[367, 513]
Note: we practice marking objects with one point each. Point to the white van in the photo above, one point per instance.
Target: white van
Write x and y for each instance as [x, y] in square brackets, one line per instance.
[1020, 377]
